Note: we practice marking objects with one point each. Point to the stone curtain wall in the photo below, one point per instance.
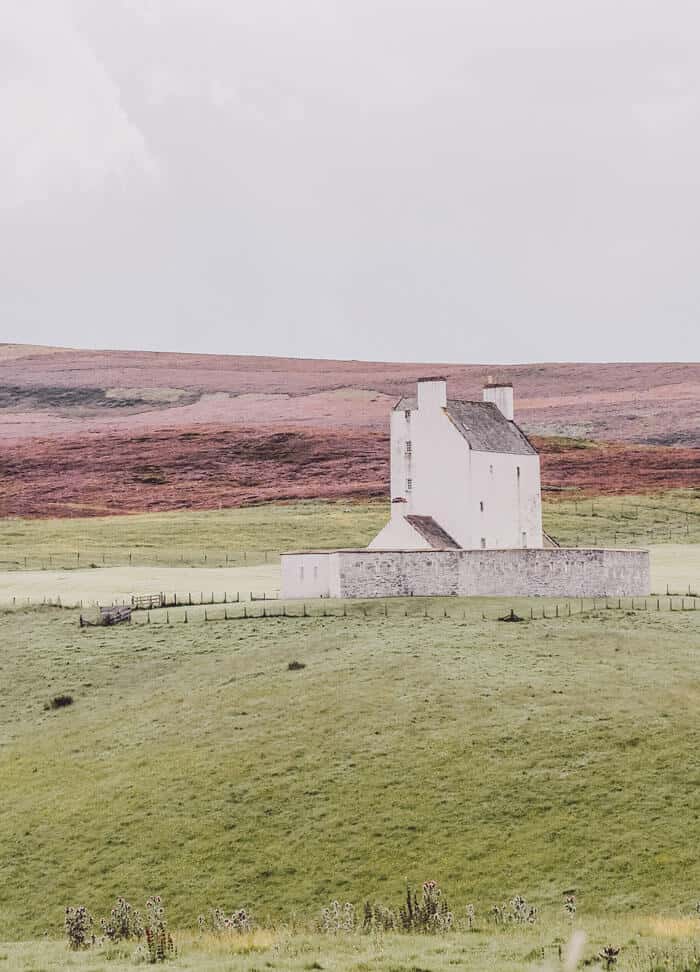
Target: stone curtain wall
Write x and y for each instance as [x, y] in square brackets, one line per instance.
[558, 572]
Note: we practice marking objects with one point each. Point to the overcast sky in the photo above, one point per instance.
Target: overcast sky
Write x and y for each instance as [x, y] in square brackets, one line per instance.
[454, 180]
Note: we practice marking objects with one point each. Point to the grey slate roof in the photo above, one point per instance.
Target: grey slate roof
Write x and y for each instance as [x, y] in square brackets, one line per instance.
[431, 531]
[483, 425]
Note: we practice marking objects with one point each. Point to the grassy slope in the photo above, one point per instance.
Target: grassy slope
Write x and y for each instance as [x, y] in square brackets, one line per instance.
[496, 758]
[174, 538]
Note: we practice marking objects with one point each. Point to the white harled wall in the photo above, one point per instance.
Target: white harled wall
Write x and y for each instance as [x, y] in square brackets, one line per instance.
[449, 482]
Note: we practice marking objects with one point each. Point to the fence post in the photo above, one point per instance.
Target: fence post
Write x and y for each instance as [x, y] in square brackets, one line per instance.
[185, 619]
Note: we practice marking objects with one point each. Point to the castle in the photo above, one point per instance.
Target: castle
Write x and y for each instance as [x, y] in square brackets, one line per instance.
[466, 516]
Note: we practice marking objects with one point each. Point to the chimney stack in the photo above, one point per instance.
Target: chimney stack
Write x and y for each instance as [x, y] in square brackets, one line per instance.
[432, 393]
[501, 394]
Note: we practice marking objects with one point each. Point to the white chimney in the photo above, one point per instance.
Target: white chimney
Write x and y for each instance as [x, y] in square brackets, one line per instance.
[432, 393]
[501, 394]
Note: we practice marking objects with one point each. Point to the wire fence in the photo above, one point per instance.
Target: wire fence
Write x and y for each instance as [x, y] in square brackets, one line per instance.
[163, 557]
[534, 611]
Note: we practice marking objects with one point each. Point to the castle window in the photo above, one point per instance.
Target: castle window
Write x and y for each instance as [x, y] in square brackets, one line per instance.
[407, 414]
[483, 543]
[517, 468]
[315, 573]
[481, 506]
[301, 573]
[408, 447]
[491, 470]
[409, 485]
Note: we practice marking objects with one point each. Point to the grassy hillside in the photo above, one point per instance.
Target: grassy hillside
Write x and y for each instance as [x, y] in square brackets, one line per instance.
[496, 758]
[252, 534]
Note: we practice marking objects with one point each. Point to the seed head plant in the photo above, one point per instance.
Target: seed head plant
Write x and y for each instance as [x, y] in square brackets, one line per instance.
[124, 923]
[78, 924]
[429, 913]
[338, 919]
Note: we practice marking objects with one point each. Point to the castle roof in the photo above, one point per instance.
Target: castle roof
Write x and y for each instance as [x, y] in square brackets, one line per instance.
[482, 425]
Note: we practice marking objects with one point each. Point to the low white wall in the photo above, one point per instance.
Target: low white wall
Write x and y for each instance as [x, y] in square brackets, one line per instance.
[310, 575]
[555, 572]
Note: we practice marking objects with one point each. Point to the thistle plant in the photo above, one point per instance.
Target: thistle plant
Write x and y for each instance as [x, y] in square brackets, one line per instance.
[159, 943]
[570, 906]
[239, 921]
[123, 923]
[429, 913]
[78, 924]
[609, 956]
[471, 914]
[379, 918]
[338, 919]
[516, 912]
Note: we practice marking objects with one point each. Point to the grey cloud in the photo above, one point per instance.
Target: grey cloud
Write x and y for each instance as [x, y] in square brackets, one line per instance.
[447, 180]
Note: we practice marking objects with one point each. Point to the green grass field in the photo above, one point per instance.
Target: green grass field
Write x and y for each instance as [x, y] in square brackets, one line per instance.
[646, 945]
[253, 535]
[495, 758]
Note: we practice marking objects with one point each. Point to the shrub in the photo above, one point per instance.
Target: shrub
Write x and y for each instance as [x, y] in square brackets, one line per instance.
[429, 913]
[59, 702]
[123, 923]
[337, 918]
[295, 666]
[78, 925]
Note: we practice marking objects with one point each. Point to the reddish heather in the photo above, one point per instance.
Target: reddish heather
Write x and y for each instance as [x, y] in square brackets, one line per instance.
[101, 432]
[204, 467]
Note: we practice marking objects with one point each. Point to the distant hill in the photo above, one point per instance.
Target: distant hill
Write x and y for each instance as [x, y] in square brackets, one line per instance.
[103, 430]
